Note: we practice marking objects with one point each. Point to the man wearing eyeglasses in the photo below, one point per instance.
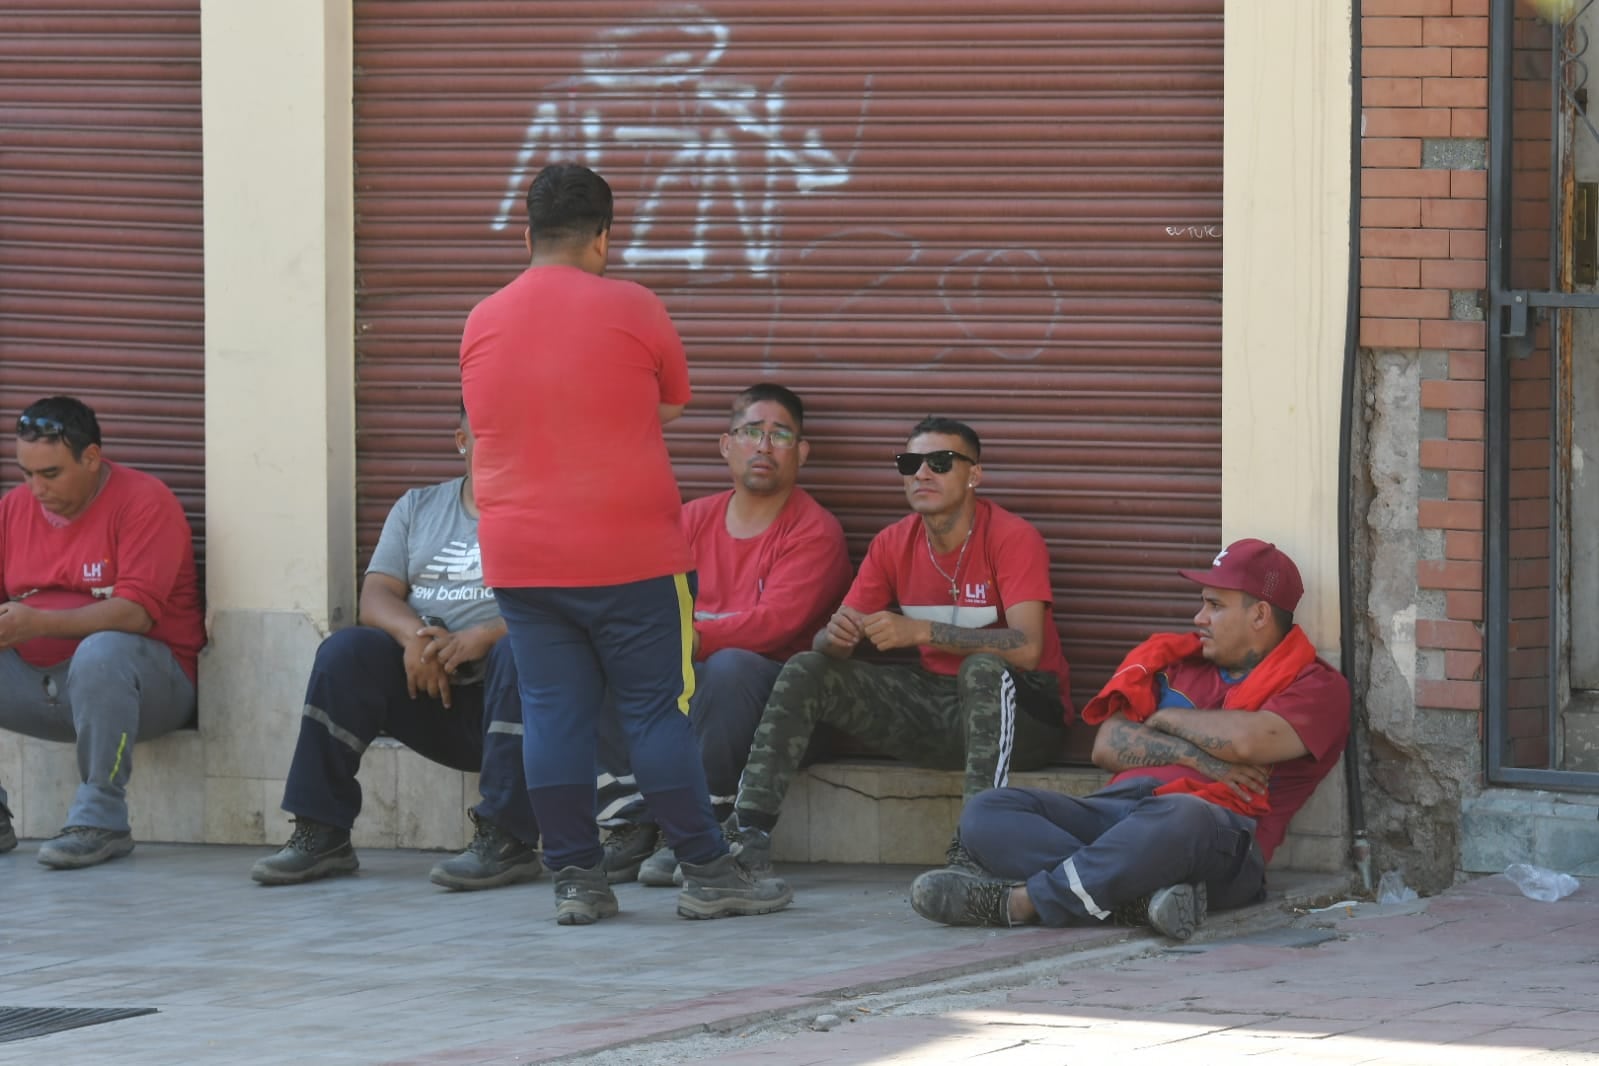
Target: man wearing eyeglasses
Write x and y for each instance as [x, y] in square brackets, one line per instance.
[964, 582]
[101, 623]
[772, 564]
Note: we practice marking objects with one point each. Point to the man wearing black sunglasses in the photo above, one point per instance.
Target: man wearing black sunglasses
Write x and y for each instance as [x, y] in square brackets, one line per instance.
[101, 623]
[965, 583]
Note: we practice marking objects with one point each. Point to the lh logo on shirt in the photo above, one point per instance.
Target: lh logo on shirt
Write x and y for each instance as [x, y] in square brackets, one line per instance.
[976, 592]
[94, 571]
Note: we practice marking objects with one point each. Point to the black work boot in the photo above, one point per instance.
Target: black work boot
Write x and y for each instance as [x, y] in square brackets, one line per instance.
[315, 850]
[961, 897]
[726, 887]
[494, 858]
[956, 857]
[583, 896]
[754, 849]
[661, 870]
[1174, 911]
[626, 848]
[78, 846]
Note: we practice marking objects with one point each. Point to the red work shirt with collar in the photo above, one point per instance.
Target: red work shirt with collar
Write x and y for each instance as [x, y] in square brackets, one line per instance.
[132, 542]
[1005, 562]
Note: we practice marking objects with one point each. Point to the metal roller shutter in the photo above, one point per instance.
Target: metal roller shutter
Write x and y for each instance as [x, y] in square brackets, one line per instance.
[101, 268]
[1010, 217]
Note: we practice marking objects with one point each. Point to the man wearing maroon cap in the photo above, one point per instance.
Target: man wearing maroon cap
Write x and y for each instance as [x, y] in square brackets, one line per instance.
[1216, 738]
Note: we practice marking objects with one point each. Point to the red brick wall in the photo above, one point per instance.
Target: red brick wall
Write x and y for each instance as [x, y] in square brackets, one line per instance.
[1423, 204]
[1424, 80]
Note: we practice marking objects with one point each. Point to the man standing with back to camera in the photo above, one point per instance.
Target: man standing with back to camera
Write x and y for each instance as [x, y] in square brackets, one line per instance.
[568, 377]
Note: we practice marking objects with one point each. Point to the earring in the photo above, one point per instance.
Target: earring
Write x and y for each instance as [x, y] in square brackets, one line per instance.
[462, 449]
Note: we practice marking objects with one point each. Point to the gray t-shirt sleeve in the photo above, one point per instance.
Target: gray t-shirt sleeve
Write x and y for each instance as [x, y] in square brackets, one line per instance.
[441, 564]
[392, 555]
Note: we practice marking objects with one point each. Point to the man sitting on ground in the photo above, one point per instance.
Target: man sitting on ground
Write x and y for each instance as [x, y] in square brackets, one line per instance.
[1217, 739]
[427, 666]
[101, 623]
[772, 562]
[971, 581]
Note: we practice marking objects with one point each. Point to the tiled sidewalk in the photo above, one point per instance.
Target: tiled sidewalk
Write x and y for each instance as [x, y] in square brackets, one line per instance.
[384, 966]
[1478, 976]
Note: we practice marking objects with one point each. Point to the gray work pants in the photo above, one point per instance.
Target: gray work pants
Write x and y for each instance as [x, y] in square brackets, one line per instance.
[116, 689]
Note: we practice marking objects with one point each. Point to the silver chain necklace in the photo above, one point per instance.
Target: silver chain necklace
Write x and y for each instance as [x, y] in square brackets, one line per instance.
[953, 579]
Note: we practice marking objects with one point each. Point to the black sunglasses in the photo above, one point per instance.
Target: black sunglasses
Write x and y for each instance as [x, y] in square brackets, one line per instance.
[938, 462]
[32, 427]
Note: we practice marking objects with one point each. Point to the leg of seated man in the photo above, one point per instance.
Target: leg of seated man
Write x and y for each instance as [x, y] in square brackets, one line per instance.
[730, 692]
[504, 848]
[1073, 861]
[117, 689]
[1012, 718]
[902, 711]
[356, 691]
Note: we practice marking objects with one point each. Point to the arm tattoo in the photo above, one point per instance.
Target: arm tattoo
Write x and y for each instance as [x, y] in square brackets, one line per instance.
[1136, 744]
[1219, 746]
[950, 636]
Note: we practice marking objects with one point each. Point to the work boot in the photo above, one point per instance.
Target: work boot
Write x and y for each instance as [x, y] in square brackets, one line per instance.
[626, 848]
[726, 887]
[78, 846]
[494, 858]
[956, 857]
[1174, 911]
[315, 850]
[583, 896]
[661, 870]
[8, 835]
[961, 897]
[754, 848]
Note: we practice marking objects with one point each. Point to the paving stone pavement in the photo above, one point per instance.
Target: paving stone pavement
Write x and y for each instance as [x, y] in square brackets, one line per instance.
[385, 968]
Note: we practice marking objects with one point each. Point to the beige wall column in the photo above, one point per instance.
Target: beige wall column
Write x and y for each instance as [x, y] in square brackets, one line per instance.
[1285, 284]
[280, 480]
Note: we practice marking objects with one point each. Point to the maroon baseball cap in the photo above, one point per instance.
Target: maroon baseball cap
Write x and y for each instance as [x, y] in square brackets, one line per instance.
[1255, 567]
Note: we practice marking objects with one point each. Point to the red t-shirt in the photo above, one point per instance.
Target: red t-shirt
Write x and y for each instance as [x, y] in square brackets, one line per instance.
[132, 542]
[769, 593]
[1315, 704]
[564, 373]
[1005, 562]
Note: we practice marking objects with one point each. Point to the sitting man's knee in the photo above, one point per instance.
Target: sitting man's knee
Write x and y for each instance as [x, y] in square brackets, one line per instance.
[352, 643]
[1177, 812]
[982, 668]
[103, 654]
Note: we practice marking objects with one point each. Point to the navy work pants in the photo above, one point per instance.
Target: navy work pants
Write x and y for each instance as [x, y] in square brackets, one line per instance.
[357, 691]
[631, 643]
[1082, 857]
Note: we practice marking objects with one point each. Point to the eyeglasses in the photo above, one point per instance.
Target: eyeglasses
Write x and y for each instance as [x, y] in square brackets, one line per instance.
[32, 428]
[751, 433]
[938, 462]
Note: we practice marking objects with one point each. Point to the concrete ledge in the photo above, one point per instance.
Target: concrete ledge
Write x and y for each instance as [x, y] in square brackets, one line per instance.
[848, 811]
[881, 811]
[1559, 830]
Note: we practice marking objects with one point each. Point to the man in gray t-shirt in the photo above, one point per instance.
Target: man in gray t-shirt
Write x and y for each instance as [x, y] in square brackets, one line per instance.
[426, 666]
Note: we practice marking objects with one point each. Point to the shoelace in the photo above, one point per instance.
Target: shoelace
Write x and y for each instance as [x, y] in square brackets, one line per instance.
[306, 837]
[989, 903]
[485, 841]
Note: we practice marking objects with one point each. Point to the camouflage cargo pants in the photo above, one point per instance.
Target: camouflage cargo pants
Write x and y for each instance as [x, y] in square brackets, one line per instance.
[988, 718]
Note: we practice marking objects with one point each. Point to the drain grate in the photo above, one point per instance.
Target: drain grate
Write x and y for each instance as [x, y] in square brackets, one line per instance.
[21, 1023]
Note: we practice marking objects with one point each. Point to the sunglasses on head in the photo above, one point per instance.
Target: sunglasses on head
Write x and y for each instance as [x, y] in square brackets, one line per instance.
[938, 462]
[33, 427]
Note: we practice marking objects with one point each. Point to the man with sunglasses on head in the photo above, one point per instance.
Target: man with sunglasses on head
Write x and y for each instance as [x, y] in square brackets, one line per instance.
[966, 584]
[101, 623]
[772, 564]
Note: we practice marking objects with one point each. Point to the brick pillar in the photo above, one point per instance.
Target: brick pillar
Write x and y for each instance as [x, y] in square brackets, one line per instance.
[1423, 209]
